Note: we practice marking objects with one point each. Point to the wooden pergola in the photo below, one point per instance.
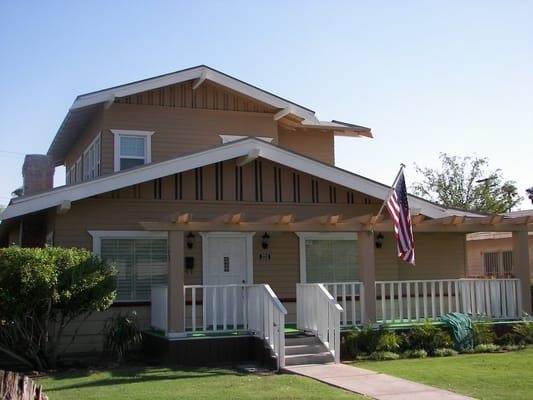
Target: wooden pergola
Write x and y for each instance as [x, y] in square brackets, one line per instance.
[364, 225]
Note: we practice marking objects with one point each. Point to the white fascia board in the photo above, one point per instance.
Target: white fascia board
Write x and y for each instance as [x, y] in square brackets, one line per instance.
[344, 178]
[126, 178]
[200, 73]
[195, 160]
[134, 88]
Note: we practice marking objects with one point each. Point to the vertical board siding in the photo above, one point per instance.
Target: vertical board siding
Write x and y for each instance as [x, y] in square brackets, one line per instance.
[209, 96]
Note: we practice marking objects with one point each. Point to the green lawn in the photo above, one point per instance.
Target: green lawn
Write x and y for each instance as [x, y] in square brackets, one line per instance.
[483, 376]
[158, 383]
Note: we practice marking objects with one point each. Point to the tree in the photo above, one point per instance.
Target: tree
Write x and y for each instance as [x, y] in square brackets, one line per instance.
[465, 183]
[530, 194]
[42, 291]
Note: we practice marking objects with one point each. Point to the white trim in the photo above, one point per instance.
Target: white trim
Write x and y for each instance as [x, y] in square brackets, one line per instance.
[304, 236]
[249, 251]
[99, 235]
[232, 138]
[201, 73]
[119, 133]
[103, 184]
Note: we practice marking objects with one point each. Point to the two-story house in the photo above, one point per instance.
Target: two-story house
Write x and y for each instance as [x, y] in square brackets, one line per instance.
[220, 203]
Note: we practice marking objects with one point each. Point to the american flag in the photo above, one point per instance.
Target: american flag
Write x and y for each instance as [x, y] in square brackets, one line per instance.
[398, 208]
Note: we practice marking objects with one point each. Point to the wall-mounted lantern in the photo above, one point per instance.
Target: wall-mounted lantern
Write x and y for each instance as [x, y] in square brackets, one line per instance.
[379, 240]
[265, 240]
[190, 240]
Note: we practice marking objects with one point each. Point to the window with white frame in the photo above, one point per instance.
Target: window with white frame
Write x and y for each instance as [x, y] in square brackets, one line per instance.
[140, 257]
[328, 257]
[132, 148]
[91, 160]
[498, 263]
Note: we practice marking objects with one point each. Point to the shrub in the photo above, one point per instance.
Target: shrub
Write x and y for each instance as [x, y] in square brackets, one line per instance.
[445, 352]
[420, 353]
[427, 337]
[42, 290]
[368, 340]
[486, 348]
[121, 333]
[482, 334]
[524, 332]
[383, 356]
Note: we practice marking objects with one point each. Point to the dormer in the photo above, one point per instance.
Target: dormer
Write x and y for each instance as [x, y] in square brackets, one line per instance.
[159, 118]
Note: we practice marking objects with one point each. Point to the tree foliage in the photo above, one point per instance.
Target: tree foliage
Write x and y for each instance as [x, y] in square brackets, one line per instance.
[464, 182]
[530, 194]
[42, 291]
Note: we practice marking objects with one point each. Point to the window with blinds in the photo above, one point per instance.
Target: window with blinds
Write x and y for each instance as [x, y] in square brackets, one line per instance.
[141, 263]
[498, 263]
[331, 261]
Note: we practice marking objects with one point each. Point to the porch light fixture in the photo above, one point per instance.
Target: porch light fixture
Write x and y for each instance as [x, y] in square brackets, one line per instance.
[379, 240]
[190, 240]
[265, 238]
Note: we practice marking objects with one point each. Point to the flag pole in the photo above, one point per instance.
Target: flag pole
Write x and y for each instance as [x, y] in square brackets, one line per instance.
[391, 189]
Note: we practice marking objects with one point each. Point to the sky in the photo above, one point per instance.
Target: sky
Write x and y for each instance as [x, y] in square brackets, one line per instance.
[428, 77]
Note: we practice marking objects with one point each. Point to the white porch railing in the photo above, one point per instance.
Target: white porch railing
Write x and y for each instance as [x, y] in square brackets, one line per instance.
[351, 297]
[415, 301]
[248, 308]
[319, 312]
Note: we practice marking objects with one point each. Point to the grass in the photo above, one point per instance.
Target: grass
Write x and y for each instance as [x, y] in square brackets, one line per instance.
[483, 376]
[159, 383]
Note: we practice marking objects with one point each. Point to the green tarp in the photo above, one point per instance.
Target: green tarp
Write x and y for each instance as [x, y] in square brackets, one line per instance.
[461, 330]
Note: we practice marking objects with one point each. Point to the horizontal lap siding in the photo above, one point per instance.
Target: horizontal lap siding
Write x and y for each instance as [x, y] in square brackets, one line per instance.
[438, 256]
[314, 144]
[282, 270]
[181, 131]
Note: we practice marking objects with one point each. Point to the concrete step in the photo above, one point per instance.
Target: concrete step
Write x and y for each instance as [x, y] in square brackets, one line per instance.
[304, 349]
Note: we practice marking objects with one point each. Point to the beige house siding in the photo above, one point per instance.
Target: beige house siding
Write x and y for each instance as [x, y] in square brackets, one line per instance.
[180, 131]
[476, 248]
[313, 143]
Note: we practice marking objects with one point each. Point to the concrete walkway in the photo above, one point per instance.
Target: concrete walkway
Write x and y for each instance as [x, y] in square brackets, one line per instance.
[372, 384]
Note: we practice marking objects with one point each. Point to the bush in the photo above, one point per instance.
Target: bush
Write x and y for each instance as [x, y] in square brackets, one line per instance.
[383, 356]
[42, 290]
[486, 348]
[368, 340]
[121, 333]
[524, 332]
[445, 352]
[420, 353]
[482, 333]
[426, 337]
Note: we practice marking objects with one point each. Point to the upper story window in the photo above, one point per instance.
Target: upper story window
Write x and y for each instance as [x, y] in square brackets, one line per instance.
[87, 166]
[91, 160]
[132, 148]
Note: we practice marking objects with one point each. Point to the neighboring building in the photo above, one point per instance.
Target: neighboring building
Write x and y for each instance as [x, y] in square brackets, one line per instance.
[490, 254]
[202, 187]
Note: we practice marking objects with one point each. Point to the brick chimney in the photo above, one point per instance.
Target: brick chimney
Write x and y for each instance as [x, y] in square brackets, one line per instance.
[37, 174]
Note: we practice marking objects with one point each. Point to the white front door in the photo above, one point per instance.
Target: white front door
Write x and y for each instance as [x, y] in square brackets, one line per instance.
[227, 262]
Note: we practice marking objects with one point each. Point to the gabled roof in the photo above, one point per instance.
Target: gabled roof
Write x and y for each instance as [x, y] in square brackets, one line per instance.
[85, 106]
[250, 146]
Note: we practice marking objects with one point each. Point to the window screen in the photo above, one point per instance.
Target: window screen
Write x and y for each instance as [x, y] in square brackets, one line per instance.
[141, 263]
[132, 151]
[331, 260]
